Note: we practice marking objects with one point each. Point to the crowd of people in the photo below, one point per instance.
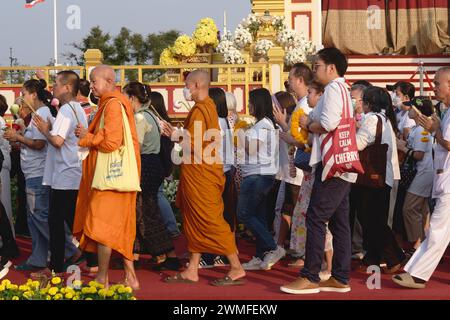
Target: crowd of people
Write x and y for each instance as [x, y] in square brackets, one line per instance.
[327, 172]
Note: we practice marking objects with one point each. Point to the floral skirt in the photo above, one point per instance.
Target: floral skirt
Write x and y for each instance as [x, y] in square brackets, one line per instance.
[298, 228]
[152, 236]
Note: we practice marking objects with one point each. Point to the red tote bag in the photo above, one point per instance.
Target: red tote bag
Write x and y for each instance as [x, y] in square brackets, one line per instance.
[339, 149]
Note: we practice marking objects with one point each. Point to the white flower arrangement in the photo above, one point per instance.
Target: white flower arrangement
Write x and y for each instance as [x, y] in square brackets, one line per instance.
[242, 37]
[263, 46]
[295, 55]
[251, 23]
[297, 47]
[224, 46]
[233, 56]
[279, 23]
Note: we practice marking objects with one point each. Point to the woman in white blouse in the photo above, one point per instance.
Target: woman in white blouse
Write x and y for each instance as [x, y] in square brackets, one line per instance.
[373, 207]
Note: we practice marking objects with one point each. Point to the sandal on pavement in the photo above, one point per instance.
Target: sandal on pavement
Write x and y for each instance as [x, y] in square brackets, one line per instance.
[406, 280]
[178, 279]
[227, 281]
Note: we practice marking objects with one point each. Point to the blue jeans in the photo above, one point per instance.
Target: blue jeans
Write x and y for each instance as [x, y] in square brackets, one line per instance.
[252, 211]
[167, 212]
[38, 204]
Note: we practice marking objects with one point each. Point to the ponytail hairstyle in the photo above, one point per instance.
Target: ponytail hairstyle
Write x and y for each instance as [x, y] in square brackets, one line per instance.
[379, 99]
[40, 88]
[138, 90]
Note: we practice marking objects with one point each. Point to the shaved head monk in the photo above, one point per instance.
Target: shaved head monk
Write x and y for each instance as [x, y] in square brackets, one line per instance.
[200, 191]
[106, 220]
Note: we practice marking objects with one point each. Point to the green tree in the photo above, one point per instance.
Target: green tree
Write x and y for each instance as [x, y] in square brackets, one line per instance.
[158, 42]
[96, 39]
[121, 47]
[125, 48]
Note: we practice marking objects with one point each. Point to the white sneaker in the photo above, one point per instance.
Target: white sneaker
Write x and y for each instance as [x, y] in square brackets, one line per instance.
[254, 264]
[272, 257]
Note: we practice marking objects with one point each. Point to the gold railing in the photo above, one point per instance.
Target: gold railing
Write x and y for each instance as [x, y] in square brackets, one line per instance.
[224, 75]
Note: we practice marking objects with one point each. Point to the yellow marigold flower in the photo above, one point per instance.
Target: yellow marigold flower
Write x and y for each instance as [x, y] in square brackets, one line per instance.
[133, 298]
[299, 134]
[116, 297]
[15, 298]
[24, 288]
[28, 295]
[52, 291]
[35, 284]
[2, 288]
[102, 292]
[56, 280]
[95, 284]
[184, 46]
[167, 58]
[109, 293]
[121, 290]
[6, 282]
[88, 298]
[77, 283]
[69, 296]
[59, 296]
[48, 297]
[13, 287]
[86, 290]
[76, 298]
[128, 290]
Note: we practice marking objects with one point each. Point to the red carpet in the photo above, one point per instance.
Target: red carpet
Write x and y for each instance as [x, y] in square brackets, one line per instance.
[264, 285]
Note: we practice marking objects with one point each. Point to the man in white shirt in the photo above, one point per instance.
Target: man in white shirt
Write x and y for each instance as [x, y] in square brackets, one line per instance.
[329, 198]
[426, 258]
[63, 166]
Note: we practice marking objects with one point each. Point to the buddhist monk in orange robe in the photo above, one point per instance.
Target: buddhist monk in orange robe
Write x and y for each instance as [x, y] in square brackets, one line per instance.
[106, 220]
[200, 189]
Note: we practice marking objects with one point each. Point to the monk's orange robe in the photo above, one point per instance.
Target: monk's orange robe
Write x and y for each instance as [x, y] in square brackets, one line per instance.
[199, 195]
[106, 217]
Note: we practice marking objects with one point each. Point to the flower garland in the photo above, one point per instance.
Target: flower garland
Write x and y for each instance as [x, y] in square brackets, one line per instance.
[300, 135]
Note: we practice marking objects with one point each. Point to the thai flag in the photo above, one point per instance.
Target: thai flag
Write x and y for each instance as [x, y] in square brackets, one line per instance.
[32, 3]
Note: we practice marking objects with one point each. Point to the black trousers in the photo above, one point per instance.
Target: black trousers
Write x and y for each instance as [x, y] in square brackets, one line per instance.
[9, 250]
[379, 239]
[329, 203]
[62, 211]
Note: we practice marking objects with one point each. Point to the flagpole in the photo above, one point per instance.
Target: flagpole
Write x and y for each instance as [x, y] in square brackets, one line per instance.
[55, 32]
